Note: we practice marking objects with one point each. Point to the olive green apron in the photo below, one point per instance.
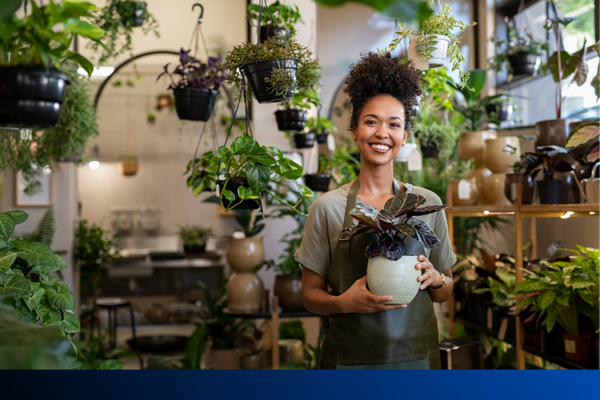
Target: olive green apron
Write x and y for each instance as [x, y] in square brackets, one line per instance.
[404, 338]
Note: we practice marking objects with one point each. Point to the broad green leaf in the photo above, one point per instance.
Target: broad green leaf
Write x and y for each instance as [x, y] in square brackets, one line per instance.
[81, 60]
[49, 279]
[7, 226]
[550, 319]
[506, 277]
[242, 145]
[194, 347]
[59, 264]
[9, 7]
[83, 28]
[35, 253]
[568, 64]
[18, 215]
[258, 177]
[229, 195]
[24, 313]
[19, 283]
[4, 245]
[526, 301]
[48, 315]
[224, 154]
[34, 299]
[70, 322]
[294, 170]
[60, 296]
[546, 298]
[6, 261]
[530, 286]
[198, 186]
[582, 284]
[111, 365]
[78, 8]
[563, 299]
[246, 194]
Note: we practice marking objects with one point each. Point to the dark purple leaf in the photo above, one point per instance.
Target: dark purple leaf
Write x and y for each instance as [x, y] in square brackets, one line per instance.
[372, 250]
[409, 201]
[385, 216]
[425, 210]
[391, 246]
[361, 228]
[406, 229]
[424, 234]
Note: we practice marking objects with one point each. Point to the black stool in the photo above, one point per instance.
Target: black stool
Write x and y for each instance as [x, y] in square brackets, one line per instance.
[112, 304]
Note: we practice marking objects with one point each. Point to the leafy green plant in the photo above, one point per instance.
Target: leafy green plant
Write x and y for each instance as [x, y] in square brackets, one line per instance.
[515, 45]
[443, 24]
[194, 235]
[44, 232]
[204, 173]
[34, 40]
[416, 11]
[281, 81]
[303, 100]
[116, 18]
[280, 15]
[193, 354]
[321, 125]
[565, 291]
[250, 225]
[27, 267]
[432, 130]
[502, 289]
[292, 330]
[94, 352]
[259, 165]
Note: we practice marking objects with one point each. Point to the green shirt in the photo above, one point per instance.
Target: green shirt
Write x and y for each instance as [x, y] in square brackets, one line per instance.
[326, 218]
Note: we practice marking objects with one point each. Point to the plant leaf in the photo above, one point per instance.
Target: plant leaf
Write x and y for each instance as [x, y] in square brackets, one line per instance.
[7, 226]
[194, 347]
[18, 215]
[36, 253]
[391, 246]
[34, 299]
[546, 298]
[258, 177]
[6, 261]
[111, 365]
[70, 322]
[583, 134]
[60, 296]
[242, 145]
[424, 234]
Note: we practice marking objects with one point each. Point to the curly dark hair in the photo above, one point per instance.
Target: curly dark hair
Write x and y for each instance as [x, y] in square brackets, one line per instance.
[377, 74]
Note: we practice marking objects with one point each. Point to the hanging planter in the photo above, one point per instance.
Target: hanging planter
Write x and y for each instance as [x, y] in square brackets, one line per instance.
[277, 19]
[261, 74]
[523, 63]
[304, 140]
[194, 104]
[417, 52]
[322, 138]
[197, 85]
[430, 150]
[500, 111]
[317, 182]
[522, 54]
[128, 167]
[138, 14]
[322, 127]
[291, 120]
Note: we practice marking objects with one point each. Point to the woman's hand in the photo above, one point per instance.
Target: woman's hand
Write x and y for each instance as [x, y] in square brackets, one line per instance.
[429, 275]
[358, 299]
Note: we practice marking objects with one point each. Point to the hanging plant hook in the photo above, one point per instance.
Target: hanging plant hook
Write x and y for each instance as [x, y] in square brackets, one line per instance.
[201, 12]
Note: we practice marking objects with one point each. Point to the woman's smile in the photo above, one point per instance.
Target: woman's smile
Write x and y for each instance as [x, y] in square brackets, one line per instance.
[381, 147]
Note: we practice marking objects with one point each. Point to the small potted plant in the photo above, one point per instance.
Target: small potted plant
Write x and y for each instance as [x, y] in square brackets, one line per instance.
[319, 182]
[499, 107]
[194, 238]
[322, 127]
[293, 116]
[128, 164]
[32, 86]
[522, 53]
[118, 18]
[274, 69]
[252, 356]
[547, 157]
[393, 226]
[277, 19]
[436, 39]
[434, 135]
[197, 86]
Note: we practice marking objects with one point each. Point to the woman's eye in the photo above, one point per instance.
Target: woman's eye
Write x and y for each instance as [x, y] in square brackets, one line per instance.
[395, 125]
[371, 122]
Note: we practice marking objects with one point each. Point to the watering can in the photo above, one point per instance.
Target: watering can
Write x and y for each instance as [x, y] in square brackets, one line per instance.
[591, 187]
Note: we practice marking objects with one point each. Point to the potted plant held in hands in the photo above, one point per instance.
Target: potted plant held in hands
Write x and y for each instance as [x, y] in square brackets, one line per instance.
[392, 258]
[277, 19]
[198, 85]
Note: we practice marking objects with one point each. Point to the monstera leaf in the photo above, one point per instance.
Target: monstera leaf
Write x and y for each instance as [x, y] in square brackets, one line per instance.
[424, 234]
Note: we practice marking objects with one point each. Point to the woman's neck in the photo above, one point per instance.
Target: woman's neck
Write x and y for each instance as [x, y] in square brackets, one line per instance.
[377, 180]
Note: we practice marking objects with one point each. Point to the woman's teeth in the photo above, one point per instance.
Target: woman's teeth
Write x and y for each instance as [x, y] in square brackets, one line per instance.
[380, 147]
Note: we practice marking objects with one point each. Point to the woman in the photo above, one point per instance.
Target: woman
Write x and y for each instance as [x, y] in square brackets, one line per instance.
[361, 332]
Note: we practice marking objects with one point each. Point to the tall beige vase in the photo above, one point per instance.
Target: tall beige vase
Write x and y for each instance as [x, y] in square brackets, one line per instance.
[471, 146]
[245, 289]
[500, 154]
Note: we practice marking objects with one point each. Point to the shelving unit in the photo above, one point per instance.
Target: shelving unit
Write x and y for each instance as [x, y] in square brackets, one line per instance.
[520, 212]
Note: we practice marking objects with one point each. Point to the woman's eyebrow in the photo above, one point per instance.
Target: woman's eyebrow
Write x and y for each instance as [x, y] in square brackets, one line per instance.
[375, 116]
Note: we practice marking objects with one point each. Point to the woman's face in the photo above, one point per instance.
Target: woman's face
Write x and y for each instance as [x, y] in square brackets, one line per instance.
[380, 131]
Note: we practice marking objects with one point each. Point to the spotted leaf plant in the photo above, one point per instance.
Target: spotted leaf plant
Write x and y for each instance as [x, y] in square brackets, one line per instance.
[394, 223]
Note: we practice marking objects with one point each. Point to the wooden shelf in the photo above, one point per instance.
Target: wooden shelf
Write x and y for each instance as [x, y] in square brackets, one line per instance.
[560, 210]
[479, 211]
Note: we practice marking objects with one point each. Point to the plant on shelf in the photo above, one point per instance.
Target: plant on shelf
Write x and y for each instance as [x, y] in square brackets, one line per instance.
[548, 158]
[269, 69]
[252, 168]
[204, 173]
[27, 268]
[118, 18]
[194, 238]
[502, 287]
[585, 138]
[278, 15]
[437, 33]
[322, 127]
[522, 53]
[195, 85]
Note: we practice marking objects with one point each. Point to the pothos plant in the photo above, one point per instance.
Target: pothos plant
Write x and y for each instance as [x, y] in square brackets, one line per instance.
[443, 23]
[204, 173]
[392, 224]
[280, 15]
[321, 125]
[260, 166]
[303, 100]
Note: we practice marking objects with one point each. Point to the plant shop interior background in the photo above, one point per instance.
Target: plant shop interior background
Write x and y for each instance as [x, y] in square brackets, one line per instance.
[147, 206]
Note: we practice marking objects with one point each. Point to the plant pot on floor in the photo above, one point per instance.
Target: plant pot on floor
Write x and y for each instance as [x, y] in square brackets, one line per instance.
[317, 182]
[31, 97]
[398, 279]
[256, 73]
[577, 347]
[290, 120]
[524, 63]
[304, 140]
[194, 104]
[502, 111]
[438, 56]
[233, 186]
[289, 290]
[549, 191]
[268, 31]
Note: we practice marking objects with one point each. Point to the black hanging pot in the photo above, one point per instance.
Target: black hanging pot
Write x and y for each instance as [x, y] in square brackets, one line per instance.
[268, 31]
[322, 138]
[503, 111]
[524, 63]
[233, 186]
[549, 191]
[194, 104]
[290, 120]
[31, 97]
[304, 140]
[256, 73]
[430, 150]
[317, 182]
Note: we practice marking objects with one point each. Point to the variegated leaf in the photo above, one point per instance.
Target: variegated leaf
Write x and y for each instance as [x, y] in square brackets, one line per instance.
[583, 134]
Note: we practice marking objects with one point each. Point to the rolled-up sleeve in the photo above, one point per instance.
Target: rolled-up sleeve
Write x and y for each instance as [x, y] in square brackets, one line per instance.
[314, 252]
[442, 257]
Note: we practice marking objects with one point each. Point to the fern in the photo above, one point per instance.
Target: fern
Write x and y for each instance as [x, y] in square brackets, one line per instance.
[45, 230]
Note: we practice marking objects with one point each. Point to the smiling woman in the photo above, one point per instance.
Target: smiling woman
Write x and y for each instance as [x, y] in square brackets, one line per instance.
[365, 330]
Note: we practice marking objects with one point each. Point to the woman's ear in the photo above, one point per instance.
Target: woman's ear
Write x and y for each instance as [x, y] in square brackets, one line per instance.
[353, 134]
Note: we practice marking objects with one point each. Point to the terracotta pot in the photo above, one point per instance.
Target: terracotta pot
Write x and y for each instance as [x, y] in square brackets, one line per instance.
[465, 192]
[394, 278]
[496, 158]
[493, 190]
[245, 292]
[221, 359]
[128, 168]
[527, 187]
[471, 146]
[577, 347]
[254, 361]
[480, 175]
[291, 351]
[553, 132]
[245, 254]
[289, 291]
[158, 314]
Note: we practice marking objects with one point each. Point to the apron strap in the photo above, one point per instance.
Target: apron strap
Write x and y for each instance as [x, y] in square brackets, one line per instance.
[350, 203]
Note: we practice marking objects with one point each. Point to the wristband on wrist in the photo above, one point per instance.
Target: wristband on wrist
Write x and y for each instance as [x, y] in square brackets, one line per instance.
[443, 282]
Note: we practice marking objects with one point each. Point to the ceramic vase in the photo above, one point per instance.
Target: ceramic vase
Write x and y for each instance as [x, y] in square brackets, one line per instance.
[552, 132]
[289, 291]
[471, 146]
[500, 154]
[245, 289]
[465, 192]
[394, 278]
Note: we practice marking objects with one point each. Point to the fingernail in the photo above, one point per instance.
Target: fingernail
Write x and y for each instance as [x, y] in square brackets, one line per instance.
[389, 298]
[422, 287]
[418, 266]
